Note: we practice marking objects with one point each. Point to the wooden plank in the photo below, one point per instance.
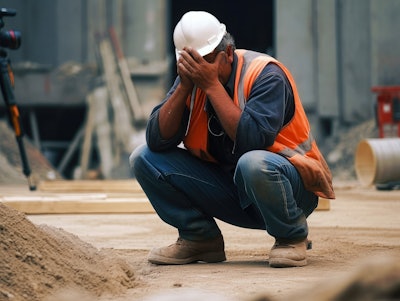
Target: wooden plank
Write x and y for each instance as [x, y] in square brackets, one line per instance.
[117, 186]
[88, 136]
[78, 205]
[103, 132]
[130, 89]
[78, 196]
[122, 117]
[324, 204]
[91, 205]
[74, 145]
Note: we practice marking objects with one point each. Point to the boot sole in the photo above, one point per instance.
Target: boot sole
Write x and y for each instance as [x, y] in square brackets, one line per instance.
[211, 257]
[286, 263]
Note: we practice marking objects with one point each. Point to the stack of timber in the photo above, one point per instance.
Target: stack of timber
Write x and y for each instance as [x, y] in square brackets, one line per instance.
[113, 116]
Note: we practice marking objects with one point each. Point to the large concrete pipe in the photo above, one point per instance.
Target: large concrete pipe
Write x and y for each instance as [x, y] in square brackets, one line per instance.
[377, 161]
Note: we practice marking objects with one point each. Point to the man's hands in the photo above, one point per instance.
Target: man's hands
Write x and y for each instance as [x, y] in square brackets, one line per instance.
[210, 73]
[194, 69]
[205, 73]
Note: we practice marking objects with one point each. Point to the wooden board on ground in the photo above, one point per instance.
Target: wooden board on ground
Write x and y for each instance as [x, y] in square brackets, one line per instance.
[324, 204]
[78, 204]
[78, 196]
[84, 197]
[117, 186]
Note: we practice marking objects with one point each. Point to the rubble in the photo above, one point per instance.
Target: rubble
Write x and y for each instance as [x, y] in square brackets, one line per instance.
[340, 149]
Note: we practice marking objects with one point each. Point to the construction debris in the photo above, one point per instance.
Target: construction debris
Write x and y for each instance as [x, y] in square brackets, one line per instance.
[340, 150]
[130, 90]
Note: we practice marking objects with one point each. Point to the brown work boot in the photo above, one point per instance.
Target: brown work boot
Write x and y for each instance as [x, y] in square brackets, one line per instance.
[289, 253]
[187, 251]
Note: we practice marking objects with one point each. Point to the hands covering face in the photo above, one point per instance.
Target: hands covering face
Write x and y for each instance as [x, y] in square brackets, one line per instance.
[194, 69]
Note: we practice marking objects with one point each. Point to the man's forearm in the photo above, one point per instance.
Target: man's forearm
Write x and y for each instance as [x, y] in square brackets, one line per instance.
[228, 113]
[171, 113]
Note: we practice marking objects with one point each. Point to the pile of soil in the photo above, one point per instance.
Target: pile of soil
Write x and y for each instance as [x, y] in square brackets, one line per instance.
[10, 159]
[37, 262]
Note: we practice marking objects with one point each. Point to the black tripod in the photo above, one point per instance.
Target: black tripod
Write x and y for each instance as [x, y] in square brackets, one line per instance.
[6, 82]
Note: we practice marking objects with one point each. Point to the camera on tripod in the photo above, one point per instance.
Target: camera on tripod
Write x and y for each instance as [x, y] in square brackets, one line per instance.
[9, 38]
[12, 39]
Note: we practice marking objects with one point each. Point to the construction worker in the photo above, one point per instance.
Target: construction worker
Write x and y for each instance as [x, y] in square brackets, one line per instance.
[248, 157]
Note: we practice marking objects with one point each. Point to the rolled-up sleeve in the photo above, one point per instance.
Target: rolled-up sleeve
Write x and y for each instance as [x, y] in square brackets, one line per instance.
[153, 135]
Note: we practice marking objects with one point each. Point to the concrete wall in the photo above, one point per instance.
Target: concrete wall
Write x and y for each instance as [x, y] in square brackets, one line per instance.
[385, 42]
[354, 46]
[337, 50]
[56, 31]
[294, 44]
[51, 30]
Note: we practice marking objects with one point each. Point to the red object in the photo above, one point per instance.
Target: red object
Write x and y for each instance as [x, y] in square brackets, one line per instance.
[388, 110]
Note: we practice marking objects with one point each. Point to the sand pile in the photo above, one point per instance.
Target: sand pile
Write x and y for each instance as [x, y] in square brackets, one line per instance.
[10, 160]
[39, 261]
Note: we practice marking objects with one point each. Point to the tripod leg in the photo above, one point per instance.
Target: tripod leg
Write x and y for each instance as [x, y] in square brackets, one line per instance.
[19, 137]
[14, 116]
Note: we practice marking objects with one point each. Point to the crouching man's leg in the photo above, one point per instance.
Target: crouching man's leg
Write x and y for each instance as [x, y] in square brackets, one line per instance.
[273, 185]
[182, 188]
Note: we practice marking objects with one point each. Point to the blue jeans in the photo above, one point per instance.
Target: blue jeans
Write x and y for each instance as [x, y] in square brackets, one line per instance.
[265, 192]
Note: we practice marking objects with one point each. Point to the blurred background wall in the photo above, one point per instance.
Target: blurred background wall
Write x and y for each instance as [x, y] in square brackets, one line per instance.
[337, 51]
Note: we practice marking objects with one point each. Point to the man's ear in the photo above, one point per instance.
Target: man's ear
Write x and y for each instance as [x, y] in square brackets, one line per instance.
[225, 56]
[229, 52]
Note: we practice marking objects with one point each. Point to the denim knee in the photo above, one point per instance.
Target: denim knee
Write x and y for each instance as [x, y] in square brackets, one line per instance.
[262, 176]
[134, 156]
[250, 164]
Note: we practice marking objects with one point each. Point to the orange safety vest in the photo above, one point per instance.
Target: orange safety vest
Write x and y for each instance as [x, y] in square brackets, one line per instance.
[294, 141]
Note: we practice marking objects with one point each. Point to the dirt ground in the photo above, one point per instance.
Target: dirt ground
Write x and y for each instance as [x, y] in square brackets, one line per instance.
[103, 257]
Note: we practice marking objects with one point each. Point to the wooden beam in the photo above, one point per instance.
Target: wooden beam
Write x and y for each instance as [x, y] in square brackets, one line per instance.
[123, 128]
[128, 85]
[324, 204]
[78, 196]
[78, 204]
[117, 186]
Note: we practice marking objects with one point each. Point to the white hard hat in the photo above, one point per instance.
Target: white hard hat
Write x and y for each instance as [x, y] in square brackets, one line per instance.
[199, 30]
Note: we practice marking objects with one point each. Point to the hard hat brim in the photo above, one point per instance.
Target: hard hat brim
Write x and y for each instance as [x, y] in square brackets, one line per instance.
[213, 43]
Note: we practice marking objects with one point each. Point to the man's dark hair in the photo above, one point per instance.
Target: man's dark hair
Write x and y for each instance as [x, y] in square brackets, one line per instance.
[226, 41]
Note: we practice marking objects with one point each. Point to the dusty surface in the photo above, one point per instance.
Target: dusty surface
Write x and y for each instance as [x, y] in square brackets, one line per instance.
[87, 257]
[362, 226]
[38, 260]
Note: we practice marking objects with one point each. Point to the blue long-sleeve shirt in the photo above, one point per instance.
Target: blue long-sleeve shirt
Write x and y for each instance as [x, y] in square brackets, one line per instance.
[269, 107]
